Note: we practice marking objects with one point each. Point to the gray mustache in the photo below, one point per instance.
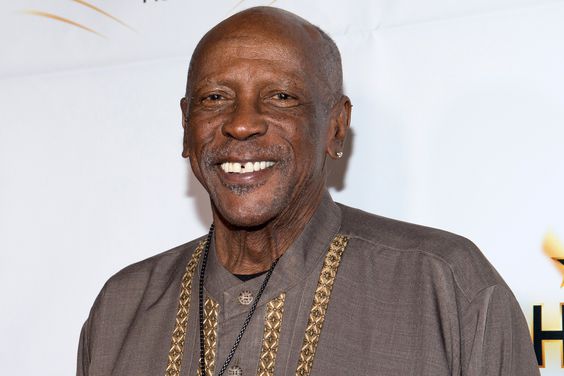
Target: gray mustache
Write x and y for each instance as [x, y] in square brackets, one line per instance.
[212, 156]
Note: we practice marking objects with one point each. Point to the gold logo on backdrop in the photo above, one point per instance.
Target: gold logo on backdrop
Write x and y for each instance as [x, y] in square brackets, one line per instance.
[68, 21]
[554, 249]
[56, 17]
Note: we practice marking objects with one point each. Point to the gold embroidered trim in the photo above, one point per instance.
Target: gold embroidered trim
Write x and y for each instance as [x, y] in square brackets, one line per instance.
[179, 333]
[271, 336]
[320, 303]
[211, 310]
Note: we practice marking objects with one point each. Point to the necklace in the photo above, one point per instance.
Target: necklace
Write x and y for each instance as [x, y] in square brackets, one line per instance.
[275, 307]
[201, 309]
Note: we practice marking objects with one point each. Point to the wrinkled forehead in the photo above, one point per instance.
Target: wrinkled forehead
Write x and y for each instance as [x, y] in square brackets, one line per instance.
[264, 24]
[276, 50]
[290, 44]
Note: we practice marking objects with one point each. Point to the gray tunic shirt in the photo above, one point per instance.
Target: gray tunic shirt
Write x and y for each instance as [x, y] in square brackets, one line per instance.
[406, 300]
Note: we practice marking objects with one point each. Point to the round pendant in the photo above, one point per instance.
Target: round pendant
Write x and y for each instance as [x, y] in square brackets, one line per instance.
[235, 371]
[246, 297]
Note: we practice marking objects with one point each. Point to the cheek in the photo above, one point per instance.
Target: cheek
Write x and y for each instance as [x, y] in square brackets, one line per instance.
[199, 136]
[203, 131]
[199, 133]
[308, 142]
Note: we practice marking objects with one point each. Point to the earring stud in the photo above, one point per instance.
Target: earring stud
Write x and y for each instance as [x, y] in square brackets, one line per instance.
[339, 154]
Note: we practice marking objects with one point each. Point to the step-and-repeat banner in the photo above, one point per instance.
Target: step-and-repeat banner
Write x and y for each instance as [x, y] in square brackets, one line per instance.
[457, 124]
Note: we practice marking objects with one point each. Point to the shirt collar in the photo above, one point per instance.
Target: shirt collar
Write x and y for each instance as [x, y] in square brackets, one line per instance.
[296, 264]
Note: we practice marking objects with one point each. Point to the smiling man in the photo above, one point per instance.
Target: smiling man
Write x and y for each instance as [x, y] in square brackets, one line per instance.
[287, 282]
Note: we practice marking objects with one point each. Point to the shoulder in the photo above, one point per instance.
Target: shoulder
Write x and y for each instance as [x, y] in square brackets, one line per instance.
[424, 247]
[150, 284]
[143, 282]
[158, 267]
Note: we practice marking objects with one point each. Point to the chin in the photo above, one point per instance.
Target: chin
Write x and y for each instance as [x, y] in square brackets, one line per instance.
[247, 211]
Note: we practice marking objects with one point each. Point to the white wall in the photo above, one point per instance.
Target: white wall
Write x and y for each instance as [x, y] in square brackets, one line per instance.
[457, 123]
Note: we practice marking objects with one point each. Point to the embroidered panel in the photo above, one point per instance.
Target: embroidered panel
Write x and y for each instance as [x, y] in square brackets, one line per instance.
[320, 303]
[271, 336]
[179, 334]
[211, 310]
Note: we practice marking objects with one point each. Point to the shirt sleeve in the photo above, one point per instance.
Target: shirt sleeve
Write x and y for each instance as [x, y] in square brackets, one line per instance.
[496, 340]
[83, 356]
[87, 336]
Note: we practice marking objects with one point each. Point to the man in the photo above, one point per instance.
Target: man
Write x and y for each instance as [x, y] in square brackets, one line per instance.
[287, 282]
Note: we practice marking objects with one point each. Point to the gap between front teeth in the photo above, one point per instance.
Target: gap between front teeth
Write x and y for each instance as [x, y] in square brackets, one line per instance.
[243, 168]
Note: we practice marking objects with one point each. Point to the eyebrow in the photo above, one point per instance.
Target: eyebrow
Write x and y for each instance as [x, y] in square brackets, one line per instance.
[214, 80]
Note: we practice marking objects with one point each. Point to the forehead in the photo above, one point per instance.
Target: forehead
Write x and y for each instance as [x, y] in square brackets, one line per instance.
[252, 51]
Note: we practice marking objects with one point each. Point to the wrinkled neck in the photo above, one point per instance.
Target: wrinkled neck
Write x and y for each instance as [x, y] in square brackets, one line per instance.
[252, 250]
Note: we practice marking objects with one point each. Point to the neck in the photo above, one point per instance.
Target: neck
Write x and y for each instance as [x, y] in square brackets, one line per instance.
[253, 250]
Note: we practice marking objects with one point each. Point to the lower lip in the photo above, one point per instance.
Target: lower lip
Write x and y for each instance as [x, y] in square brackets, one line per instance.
[249, 178]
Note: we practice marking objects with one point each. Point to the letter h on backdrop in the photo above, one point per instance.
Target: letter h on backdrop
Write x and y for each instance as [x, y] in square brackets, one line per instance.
[540, 335]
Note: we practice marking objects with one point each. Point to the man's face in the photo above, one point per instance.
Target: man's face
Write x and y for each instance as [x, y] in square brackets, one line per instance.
[256, 131]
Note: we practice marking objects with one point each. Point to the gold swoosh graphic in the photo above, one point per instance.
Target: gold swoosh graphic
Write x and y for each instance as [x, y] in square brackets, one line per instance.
[62, 19]
[103, 12]
[235, 6]
[554, 249]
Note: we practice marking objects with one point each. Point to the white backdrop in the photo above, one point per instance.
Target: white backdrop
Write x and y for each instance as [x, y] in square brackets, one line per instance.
[457, 123]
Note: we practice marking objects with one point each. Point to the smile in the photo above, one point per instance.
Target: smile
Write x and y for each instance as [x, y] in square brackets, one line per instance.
[244, 168]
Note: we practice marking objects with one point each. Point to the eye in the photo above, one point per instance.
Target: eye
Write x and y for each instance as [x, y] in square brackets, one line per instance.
[212, 97]
[282, 96]
[282, 99]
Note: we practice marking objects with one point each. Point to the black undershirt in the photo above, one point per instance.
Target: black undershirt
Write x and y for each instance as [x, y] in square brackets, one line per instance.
[248, 277]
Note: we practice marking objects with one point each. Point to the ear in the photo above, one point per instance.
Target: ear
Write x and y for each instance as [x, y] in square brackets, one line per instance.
[184, 108]
[339, 125]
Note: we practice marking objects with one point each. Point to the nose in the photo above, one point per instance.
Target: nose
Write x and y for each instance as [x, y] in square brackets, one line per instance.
[245, 122]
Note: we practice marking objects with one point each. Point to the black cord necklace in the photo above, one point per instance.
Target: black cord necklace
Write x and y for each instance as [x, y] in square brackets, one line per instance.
[201, 310]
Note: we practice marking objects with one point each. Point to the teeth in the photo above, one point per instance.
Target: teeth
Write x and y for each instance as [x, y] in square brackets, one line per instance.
[236, 167]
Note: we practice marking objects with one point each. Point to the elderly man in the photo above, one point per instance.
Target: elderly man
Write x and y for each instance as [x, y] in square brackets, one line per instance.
[287, 282]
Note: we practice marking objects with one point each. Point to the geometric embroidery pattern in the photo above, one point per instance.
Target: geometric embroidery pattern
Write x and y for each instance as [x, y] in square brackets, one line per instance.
[211, 310]
[273, 319]
[179, 334]
[320, 303]
[271, 336]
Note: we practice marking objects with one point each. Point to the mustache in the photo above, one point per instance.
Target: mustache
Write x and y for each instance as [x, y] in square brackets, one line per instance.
[213, 155]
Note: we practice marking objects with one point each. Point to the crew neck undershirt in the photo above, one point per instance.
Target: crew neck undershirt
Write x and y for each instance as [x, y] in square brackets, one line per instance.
[248, 277]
